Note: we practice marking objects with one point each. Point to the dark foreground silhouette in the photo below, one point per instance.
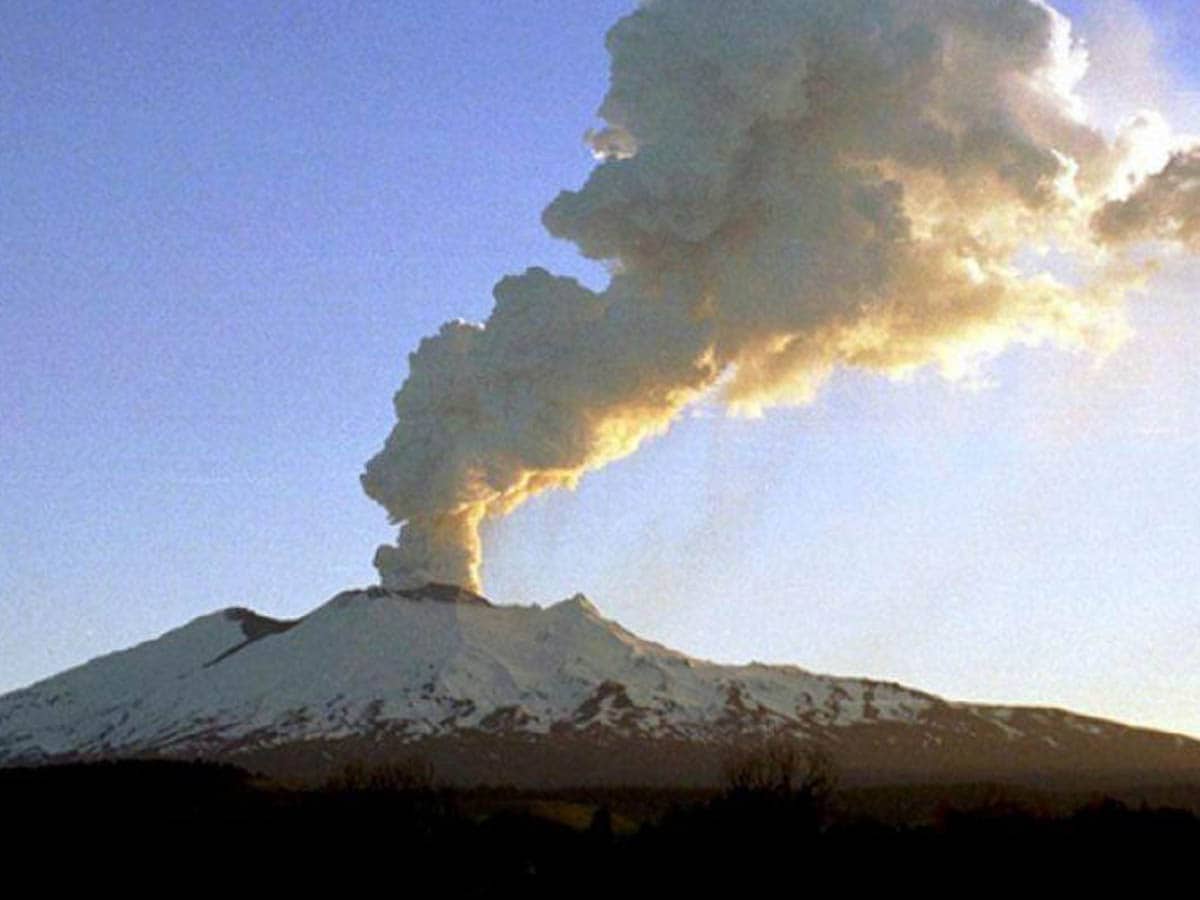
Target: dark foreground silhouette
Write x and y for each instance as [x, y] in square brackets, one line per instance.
[613, 842]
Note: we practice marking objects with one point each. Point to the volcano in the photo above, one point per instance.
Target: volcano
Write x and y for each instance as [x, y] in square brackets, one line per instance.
[530, 696]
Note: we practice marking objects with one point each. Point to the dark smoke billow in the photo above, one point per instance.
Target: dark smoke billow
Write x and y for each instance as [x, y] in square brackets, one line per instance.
[783, 188]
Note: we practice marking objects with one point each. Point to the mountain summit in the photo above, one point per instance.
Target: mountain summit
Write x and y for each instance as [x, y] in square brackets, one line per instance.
[525, 695]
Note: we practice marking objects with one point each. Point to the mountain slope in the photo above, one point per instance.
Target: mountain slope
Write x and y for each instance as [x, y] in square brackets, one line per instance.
[494, 692]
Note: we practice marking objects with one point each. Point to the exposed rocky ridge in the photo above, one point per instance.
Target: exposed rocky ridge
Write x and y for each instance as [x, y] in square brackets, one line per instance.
[525, 695]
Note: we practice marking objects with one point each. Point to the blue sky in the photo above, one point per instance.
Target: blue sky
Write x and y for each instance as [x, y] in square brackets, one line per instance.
[223, 227]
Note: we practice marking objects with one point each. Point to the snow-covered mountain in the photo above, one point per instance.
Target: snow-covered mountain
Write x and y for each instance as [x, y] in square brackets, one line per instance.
[513, 693]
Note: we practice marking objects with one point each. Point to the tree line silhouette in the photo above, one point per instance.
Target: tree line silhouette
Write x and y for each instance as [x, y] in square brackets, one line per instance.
[779, 808]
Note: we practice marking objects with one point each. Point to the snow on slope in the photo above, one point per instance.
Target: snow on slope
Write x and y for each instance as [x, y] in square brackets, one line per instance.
[426, 663]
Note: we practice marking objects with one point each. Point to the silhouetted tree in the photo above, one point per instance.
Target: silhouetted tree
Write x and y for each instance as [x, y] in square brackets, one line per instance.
[408, 775]
[780, 765]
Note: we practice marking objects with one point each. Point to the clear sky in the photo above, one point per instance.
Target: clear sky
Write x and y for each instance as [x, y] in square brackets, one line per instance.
[224, 226]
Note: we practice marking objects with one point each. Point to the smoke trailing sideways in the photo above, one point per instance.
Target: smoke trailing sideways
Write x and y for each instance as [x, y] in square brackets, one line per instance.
[784, 187]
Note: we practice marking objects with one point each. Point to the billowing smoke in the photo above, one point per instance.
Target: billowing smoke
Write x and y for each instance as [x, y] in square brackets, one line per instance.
[1166, 206]
[785, 187]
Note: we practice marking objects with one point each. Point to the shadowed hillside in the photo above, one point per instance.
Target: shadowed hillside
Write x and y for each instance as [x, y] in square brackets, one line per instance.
[617, 837]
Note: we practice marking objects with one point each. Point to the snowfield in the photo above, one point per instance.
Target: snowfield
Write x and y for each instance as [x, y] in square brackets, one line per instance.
[438, 661]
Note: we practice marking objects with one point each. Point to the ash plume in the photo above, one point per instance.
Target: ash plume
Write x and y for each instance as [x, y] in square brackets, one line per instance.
[1165, 206]
[783, 188]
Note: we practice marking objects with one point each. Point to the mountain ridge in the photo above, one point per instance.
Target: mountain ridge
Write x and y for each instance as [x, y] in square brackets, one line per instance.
[439, 670]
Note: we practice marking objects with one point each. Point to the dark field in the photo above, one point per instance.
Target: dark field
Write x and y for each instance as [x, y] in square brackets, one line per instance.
[498, 841]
